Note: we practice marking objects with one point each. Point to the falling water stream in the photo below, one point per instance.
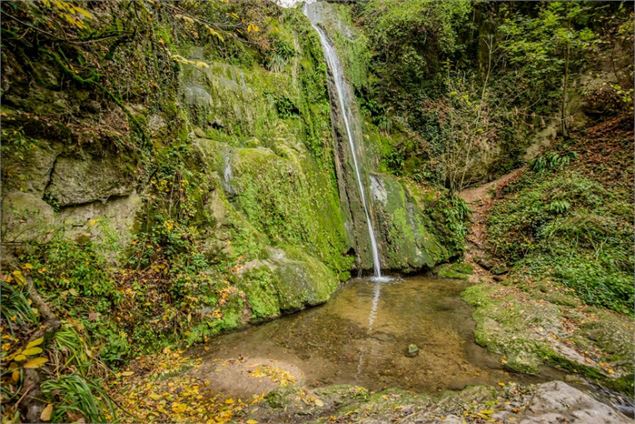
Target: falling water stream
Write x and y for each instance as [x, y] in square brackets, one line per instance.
[347, 116]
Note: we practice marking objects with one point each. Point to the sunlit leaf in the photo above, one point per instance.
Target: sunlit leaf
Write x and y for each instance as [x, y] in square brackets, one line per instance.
[36, 363]
[32, 351]
[19, 277]
[47, 412]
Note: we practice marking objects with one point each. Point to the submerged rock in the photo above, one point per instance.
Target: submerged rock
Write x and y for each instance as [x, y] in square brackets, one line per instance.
[412, 351]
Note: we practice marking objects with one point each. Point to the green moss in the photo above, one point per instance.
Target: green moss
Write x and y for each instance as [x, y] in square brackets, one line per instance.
[500, 326]
[262, 296]
[569, 228]
[287, 199]
[410, 239]
[458, 270]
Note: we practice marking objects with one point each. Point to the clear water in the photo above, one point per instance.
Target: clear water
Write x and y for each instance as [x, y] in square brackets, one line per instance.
[344, 100]
[361, 338]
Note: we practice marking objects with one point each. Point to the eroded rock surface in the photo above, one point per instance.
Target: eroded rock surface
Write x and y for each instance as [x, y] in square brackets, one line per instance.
[558, 402]
[76, 181]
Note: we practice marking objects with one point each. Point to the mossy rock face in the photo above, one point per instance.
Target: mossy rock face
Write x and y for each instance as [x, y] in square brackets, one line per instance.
[31, 172]
[530, 333]
[500, 327]
[289, 200]
[303, 280]
[458, 270]
[407, 239]
[223, 96]
[284, 282]
[81, 180]
[25, 217]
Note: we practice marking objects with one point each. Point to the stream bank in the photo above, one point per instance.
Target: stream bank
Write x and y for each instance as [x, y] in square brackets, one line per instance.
[332, 364]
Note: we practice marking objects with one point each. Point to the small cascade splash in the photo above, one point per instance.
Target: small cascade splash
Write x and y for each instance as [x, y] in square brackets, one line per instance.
[347, 116]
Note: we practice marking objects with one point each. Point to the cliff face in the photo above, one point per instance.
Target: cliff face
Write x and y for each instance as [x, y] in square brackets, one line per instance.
[221, 169]
[416, 225]
[184, 177]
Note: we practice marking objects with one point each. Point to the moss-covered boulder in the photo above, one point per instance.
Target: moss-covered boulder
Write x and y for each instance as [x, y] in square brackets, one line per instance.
[407, 238]
[286, 281]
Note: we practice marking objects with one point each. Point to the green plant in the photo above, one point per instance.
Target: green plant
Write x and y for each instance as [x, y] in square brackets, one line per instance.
[568, 228]
[72, 395]
[552, 161]
[74, 349]
[16, 306]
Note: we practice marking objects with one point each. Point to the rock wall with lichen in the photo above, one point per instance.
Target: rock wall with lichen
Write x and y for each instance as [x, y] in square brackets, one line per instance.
[189, 179]
[202, 199]
[411, 234]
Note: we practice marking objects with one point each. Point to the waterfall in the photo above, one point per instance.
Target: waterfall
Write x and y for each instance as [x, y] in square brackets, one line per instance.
[347, 116]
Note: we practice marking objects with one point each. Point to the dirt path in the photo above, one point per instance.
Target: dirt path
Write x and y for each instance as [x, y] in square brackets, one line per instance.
[480, 200]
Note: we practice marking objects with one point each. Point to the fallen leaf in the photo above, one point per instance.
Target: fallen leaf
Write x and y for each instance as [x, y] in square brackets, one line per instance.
[47, 413]
[36, 362]
[32, 351]
[19, 277]
[35, 342]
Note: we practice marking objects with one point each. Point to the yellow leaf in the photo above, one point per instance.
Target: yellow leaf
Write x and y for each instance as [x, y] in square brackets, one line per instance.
[32, 351]
[36, 362]
[15, 375]
[28, 266]
[251, 421]
[19, 277]
[47, 413]
[20, 358]
[154, 396]
[35, 342]
[215, 33]
[178, 407]
[127, 373]
[85, 13]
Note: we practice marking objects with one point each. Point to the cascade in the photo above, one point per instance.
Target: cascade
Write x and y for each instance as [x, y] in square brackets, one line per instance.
[344, 101]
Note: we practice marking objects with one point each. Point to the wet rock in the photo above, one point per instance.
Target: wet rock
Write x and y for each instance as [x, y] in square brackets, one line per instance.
[407, 238]
[412, 351]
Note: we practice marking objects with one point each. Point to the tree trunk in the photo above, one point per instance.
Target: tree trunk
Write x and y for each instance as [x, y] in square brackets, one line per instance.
[565, 86]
